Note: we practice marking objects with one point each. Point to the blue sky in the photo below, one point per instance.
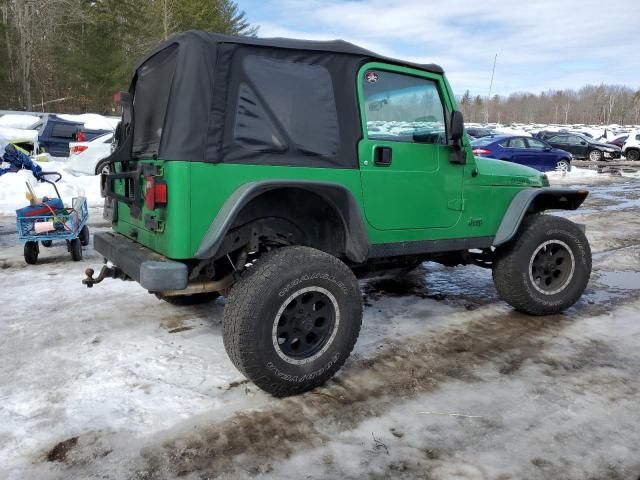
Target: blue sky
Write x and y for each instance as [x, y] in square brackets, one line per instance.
[541, 44]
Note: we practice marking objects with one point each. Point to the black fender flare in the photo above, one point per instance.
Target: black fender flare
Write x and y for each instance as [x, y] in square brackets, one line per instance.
[532, 200]
[339, 196]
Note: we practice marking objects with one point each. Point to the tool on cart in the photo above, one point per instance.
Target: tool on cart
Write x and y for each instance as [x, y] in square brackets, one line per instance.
[47, 220]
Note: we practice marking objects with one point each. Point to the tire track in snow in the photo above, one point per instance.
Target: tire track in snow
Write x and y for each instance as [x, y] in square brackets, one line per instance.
[365, 389]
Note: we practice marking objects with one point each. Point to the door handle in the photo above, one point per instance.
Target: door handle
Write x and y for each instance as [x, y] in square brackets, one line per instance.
[382, 156]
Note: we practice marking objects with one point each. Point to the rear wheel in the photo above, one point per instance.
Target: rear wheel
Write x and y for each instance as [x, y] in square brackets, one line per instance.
[75, 248]
[595, 155]
[84, 236]
[633, 155]
[46, 243]
[545, 268]
[292, 320]
[31, 251]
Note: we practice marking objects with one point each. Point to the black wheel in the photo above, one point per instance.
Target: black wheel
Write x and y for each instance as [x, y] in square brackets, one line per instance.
[292, 319]
[103, 167]
[31, 251]
[633, 155]
[563, 165]
[595, 155]
[75, 247]
[84, 236]
[545, 268]
[46, 243]
[194, 299]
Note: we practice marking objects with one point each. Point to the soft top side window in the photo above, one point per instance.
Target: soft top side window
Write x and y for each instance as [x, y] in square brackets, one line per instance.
[150, 101]
[286, 105]
[403, 108]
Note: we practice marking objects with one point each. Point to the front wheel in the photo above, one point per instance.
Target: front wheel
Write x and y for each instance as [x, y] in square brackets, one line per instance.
[633, 155]
[545, 268]
[292, 320]
[595, 155]
[563, 165]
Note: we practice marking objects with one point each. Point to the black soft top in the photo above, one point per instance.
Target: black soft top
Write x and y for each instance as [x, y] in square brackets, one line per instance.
[330, 46]
[214, 98]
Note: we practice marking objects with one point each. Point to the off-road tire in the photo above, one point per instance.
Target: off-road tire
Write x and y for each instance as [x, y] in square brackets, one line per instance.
[31, 251]
[193, 299]
[595, 155]
[255, 303]
[514, 263]
[633, 155]
[84, 236]
[75, 248]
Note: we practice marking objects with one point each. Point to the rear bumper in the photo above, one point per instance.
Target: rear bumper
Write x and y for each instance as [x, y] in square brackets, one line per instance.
[150, 269]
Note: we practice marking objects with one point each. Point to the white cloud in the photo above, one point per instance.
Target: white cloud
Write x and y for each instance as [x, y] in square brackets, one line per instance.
[540, 44]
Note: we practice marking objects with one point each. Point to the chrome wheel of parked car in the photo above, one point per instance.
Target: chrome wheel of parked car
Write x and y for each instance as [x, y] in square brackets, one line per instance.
[595, 155]
[563, 166]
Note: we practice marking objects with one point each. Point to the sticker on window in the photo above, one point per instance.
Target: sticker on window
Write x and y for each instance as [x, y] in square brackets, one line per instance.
[371, 77]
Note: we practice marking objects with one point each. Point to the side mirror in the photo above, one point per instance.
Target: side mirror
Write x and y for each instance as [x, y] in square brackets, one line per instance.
[456, 128]
[582, 142]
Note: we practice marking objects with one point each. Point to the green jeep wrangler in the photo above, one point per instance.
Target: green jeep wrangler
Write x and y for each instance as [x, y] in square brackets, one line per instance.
[276, 172]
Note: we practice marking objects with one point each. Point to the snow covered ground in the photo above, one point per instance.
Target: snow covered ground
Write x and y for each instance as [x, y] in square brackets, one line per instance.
[446, 381]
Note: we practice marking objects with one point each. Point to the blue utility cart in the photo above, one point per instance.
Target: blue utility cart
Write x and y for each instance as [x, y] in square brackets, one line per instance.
[51, 221]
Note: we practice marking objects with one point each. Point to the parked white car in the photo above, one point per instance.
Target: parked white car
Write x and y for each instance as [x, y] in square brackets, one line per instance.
[631, 148]
[87, 157]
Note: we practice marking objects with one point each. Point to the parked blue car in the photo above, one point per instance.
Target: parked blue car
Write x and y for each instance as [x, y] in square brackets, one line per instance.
[532, 152]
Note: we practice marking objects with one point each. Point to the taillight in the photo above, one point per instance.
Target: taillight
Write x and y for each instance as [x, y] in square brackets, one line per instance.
[481, 151]
[155, 193]
[76, 149]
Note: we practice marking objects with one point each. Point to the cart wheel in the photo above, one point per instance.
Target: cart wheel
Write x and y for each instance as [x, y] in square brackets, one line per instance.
[75, 247]
[84, 236]
[46, 243]
[31, 251]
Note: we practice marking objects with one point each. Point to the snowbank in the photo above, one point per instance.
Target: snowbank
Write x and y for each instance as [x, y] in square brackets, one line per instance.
[13, 188]
[18, 121]
[10, 134]
[575, 174]
[93, 121]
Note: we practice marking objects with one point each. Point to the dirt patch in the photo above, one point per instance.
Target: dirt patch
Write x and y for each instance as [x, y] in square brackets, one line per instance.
[376, 289]
[177, 322]
[59, 452]
[180, 329]
[362, 391]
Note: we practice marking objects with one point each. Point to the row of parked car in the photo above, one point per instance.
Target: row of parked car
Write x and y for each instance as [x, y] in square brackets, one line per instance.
[548, 151]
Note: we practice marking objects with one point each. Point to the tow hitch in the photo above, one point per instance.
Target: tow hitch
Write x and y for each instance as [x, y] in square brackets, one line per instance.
[106, 272]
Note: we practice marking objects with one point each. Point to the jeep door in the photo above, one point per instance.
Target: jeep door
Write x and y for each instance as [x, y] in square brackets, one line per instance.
[408, 181]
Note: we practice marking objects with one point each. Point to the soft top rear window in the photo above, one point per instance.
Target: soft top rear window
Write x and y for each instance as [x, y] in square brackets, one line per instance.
[150, 100]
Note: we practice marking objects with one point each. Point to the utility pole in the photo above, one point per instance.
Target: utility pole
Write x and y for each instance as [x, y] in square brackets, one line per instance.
[493, 71]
